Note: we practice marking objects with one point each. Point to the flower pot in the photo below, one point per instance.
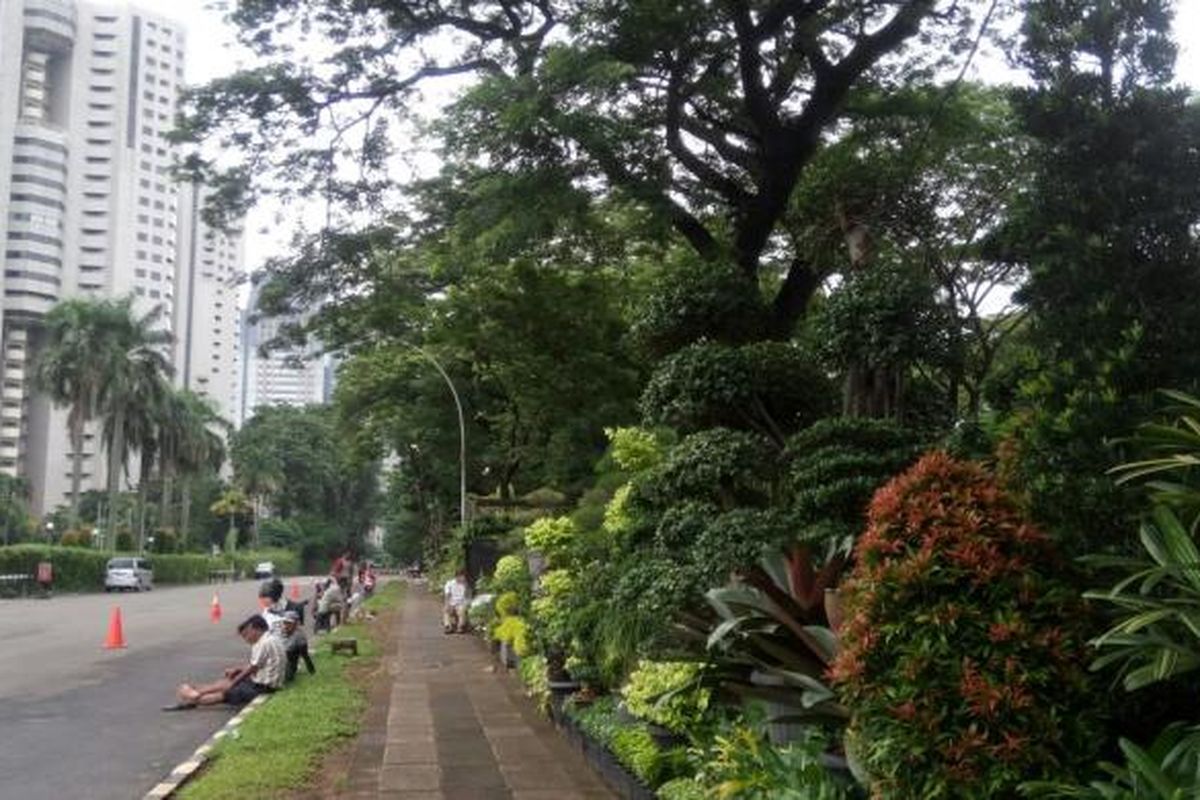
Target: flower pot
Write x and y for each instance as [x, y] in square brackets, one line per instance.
[780, 733]
[833, 609]
[508, 656]
[665, 738]
[537, 563]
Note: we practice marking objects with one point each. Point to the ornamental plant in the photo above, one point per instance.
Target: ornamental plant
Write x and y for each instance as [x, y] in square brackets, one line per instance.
[962, 660]
[551, 536]
[511, 575]
[667, 693]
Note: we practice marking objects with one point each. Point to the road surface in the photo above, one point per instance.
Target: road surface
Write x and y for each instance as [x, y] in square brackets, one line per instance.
[84, 723]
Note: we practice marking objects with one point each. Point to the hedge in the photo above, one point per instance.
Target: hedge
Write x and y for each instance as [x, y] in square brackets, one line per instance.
[78, 569]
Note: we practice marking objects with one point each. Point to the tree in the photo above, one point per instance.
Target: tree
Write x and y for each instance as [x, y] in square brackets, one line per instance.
[1106, 233]
[231, 504]
[81, 342]
[135, 372]
[305, 471]
[705, 116]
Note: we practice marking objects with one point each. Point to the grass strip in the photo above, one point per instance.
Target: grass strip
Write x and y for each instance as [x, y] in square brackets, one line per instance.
[279, 746]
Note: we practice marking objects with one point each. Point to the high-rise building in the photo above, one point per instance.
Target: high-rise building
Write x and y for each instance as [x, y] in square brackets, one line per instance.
[207, 318]
[282, 375]
[88, 95]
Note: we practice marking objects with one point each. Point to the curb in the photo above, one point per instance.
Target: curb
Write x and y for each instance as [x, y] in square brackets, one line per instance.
[180, 775]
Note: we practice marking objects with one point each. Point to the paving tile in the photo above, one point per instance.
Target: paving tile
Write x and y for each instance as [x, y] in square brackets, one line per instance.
[446, 724]
[410, 777]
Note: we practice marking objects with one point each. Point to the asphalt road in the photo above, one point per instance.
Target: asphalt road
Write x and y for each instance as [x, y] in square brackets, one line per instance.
[78, 722]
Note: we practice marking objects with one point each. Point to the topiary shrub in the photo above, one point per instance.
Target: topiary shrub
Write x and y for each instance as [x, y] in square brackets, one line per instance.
[833, 468]
[726, 467]
[770, 388]
[962, 660]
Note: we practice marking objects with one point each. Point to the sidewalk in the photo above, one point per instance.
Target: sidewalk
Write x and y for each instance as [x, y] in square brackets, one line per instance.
[451, 728]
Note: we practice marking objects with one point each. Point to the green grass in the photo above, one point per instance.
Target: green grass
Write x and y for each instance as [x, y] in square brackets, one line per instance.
[280, 745]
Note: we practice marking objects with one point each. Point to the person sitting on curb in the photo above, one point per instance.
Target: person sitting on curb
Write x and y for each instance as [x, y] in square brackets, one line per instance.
[263, 674]
[332, 602]
[270, 597]
[455, 595]
[296, 643]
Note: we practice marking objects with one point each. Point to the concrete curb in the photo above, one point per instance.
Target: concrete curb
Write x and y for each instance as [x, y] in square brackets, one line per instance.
[182, 773]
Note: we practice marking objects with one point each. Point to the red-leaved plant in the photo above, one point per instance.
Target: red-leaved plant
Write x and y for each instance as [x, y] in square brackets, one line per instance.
[962, 662]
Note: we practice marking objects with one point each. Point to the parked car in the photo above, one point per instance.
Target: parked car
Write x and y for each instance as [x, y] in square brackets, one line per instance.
[128, 573]
[265, 569]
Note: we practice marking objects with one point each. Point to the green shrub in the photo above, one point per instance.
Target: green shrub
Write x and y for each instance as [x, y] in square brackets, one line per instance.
[743, 764]
[508, 604]
[634, 449]
[682, 789]
[537, 683]
[511, 575]
[631, 744]
[551, 536]
[667, 693]
[962, 659]
[76, 538]
[286, 562]
[513, 631]
[726, 467]
[181, 568]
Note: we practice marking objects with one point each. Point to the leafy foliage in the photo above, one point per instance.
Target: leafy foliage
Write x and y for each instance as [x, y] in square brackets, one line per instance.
[667, 693]
[1169, 769]
[768, 388]
[961, 656]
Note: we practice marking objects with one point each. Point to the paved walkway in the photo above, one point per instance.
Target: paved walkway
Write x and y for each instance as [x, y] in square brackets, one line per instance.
[452, 727]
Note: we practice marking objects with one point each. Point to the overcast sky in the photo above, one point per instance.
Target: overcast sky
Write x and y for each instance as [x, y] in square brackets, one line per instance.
[211, 53]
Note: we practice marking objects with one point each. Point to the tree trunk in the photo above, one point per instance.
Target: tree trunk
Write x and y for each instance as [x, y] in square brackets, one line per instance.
[76, 465]
[115, 449]
[185, 509]
[257, 509]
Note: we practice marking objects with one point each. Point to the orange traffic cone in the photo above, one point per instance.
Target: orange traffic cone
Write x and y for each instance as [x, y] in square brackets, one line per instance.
[295, 591]
[215, 612]
[115, 640]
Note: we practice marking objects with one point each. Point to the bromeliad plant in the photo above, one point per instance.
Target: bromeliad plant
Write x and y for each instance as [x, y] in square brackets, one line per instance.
[769, 640]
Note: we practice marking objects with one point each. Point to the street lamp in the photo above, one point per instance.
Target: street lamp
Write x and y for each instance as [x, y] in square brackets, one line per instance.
[49, 530]
[462, 435]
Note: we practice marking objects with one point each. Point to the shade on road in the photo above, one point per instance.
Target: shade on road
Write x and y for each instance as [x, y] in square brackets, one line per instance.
[80, 722]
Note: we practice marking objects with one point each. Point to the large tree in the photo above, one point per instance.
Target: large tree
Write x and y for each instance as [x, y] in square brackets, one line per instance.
[1107, 235]
[705, 114]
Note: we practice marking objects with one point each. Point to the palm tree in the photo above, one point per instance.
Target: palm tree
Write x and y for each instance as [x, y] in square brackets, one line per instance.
[70, 366]
[200, 446]
[188, 442]
[230, 504]
[135, 381]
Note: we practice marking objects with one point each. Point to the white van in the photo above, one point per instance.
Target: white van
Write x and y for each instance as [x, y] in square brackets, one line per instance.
[128, 573]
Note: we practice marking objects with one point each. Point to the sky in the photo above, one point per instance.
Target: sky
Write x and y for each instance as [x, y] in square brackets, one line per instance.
[212, 52]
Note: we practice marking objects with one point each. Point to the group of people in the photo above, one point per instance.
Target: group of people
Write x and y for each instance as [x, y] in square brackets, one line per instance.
[277, 640]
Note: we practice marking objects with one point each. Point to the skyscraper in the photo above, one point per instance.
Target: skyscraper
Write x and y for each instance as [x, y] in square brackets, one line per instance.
[88, 95]
[294, 376]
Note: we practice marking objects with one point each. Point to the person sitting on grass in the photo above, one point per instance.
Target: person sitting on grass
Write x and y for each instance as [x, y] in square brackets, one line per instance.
[296, 643]
[263, 674]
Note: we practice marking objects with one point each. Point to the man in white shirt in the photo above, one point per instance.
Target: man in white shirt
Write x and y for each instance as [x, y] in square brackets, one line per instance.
[263, 674]
[454, 611]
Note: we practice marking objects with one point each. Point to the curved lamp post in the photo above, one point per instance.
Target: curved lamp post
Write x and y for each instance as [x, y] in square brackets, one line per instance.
[462, 434]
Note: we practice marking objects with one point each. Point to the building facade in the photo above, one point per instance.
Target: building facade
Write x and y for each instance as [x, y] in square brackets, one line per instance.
[207, 318]
[88, 96]
[294, 376]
